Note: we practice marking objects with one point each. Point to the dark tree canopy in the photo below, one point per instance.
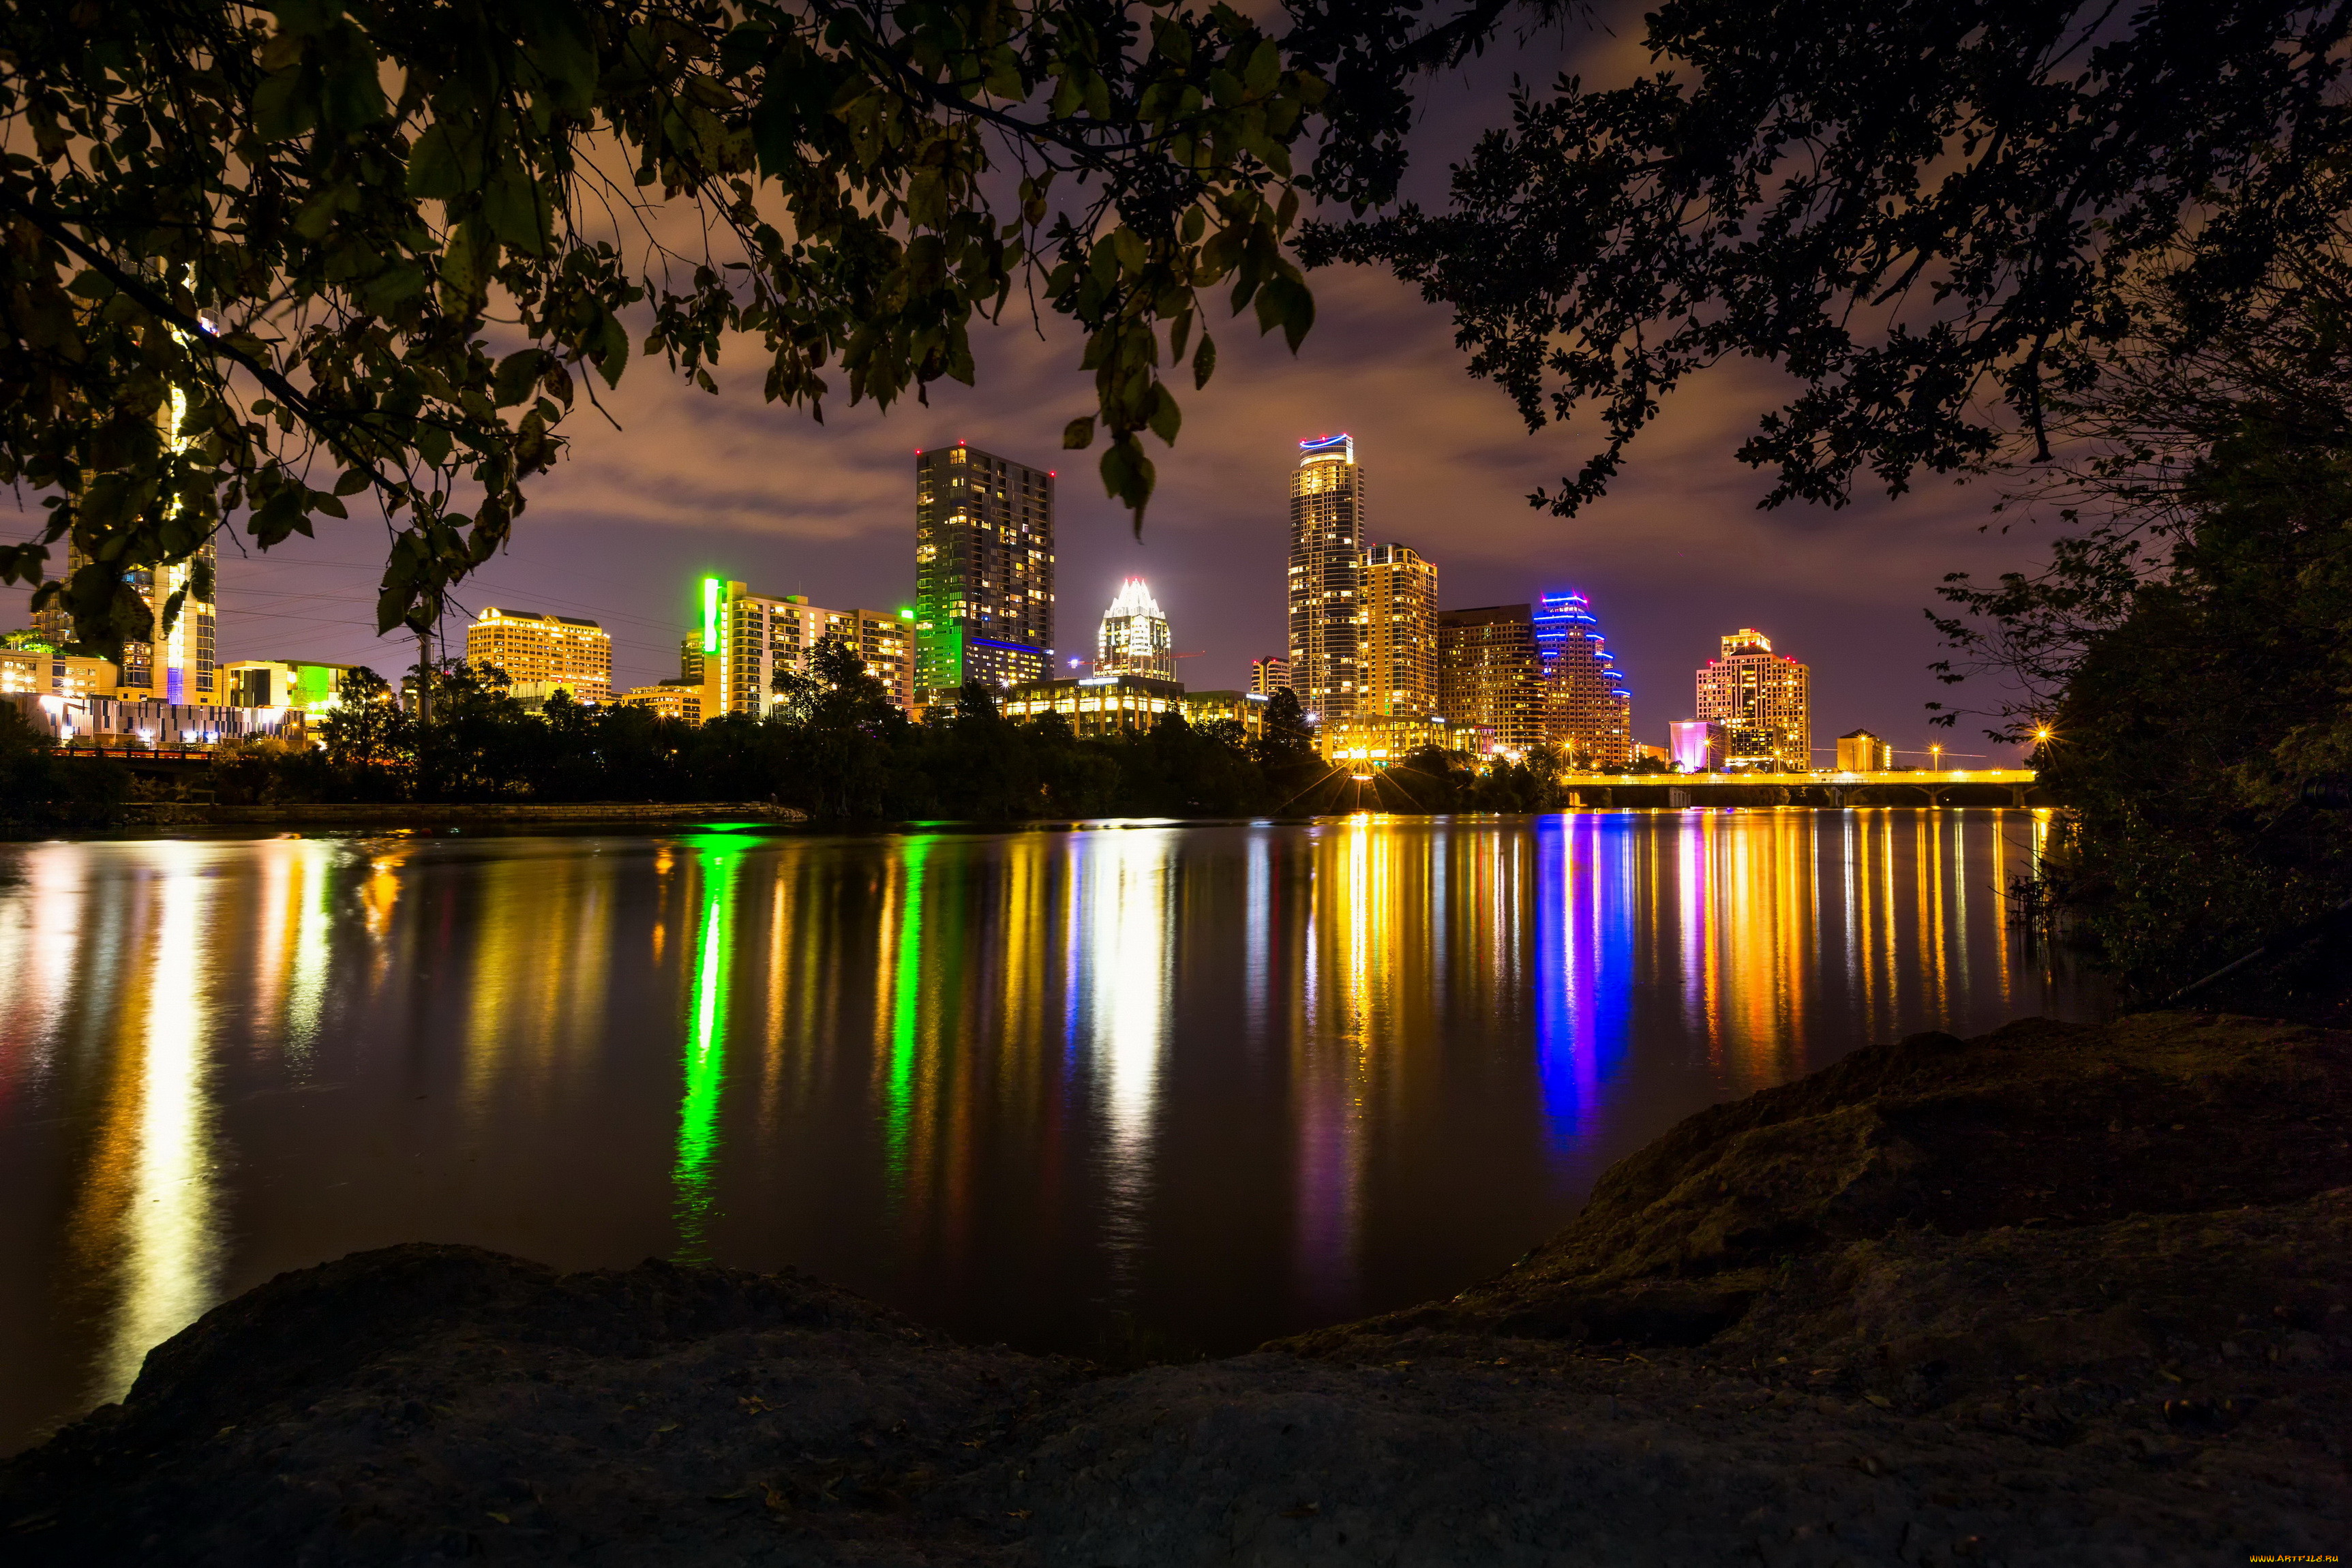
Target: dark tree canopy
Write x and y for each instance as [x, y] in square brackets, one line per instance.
[263, 264]
[1930, 213]
[261, 261]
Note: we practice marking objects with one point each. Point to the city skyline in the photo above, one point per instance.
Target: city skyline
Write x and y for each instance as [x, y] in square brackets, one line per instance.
[1034, 508]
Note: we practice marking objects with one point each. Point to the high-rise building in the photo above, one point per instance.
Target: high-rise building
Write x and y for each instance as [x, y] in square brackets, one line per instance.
[1269, 674]
[885, 639]
[1763, 701]
[983, 572]
[750, 641]
[541, 649]
[1591, 708]
[173, 664]
[1134, 637]
[1400, 596]
[1325, 578]
[1490, 674]
[1860, 752]
[747, 640]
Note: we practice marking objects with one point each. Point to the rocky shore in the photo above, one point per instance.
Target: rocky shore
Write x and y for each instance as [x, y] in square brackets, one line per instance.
[2060, 1294]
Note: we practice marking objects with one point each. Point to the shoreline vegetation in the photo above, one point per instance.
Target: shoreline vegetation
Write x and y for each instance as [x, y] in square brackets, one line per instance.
[836, 749]
[2062, 1293]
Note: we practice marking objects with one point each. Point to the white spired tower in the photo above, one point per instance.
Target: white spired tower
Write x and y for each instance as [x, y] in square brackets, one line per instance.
[1134, 638]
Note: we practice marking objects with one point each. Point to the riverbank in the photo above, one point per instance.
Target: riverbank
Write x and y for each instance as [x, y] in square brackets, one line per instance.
[428, 814]
[2059, 1294]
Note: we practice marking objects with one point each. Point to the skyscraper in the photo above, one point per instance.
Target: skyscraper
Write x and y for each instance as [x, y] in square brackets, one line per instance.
[983, 572]
[1490, 673]
[1591, 709]
[1763, 701]
[1269, 674]
[177, 665]
[1326, 578]
[1400, 596]
[553, 650]
[1134, 637]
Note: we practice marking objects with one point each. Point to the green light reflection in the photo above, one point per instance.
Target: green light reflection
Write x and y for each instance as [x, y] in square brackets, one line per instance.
[906, 1003]
[706, 1049]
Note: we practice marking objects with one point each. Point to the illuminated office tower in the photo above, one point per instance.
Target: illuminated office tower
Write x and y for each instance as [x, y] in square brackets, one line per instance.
[1325, 578]
[1399, 592]
[1269, 674]
[1591, 716]
[1763, 701]
[1134, 638]
[983, 572]
[174, 665]
[544, 651]
[1490, 674]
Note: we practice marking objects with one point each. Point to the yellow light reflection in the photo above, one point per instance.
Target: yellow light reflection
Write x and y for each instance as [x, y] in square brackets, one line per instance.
[147, 1223]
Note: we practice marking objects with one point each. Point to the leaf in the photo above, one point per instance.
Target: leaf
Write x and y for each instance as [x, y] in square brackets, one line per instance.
[354, 482]
[1079, 434]
[280, 111]
[1166, 417]
[1290, 304]
[437, 163]
[1204, 361]
[276, 518]
[517, 208]
[518, 373]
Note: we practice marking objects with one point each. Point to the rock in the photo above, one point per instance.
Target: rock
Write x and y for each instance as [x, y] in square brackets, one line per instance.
[1809, 1326]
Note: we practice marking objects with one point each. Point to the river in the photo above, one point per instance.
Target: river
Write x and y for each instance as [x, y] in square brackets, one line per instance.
[1124, 1088]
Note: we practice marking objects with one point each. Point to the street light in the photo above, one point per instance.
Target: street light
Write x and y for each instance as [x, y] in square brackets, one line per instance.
[1935, 757]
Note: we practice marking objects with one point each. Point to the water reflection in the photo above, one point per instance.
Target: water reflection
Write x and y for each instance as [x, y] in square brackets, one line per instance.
[1230, 1079]
[705, 1044]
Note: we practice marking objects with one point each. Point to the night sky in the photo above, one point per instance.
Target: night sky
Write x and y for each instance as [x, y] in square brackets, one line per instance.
[1679, 554]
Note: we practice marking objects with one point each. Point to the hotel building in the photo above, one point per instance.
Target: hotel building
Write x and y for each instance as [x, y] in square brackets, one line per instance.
[983, 572]
[1399, 597]
[544, 652]
[1325, 578]
[750, 640]
[1763, 701]
[1490, 674]
[1591, 718]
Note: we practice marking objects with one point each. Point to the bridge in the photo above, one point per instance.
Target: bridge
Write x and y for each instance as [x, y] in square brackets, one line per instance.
[2017, 787]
